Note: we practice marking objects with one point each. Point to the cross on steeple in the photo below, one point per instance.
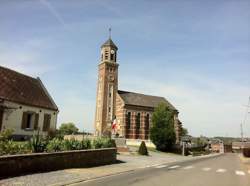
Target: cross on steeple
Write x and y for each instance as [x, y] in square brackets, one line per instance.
[110, 33]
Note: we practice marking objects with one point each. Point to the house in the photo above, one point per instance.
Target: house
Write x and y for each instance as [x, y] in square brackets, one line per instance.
[237, 146]
[217, 145]
[131, 112]
[25, 105]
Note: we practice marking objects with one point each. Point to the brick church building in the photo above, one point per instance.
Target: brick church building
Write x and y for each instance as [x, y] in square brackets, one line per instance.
[133, 111]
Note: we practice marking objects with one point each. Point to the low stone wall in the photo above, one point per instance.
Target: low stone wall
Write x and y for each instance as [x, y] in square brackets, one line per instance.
[137, 142]
[15, 165]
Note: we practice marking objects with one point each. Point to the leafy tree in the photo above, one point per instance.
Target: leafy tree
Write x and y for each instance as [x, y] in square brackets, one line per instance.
[68, 128]
[184, 131]
[162, 132]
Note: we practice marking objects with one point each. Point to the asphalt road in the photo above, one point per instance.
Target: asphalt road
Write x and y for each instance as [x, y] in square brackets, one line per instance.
[224, 170]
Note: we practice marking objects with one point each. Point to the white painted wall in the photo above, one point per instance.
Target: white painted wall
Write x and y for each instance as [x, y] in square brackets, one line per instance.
[13, 119]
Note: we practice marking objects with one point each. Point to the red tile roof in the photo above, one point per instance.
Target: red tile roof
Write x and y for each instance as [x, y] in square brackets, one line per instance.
[24, 89]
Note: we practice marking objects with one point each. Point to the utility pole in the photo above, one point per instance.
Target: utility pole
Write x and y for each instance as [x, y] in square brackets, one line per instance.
[241, 133]
[244, 121]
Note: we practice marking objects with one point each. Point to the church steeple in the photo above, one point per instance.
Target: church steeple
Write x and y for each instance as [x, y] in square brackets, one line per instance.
[107, 87]
[109, 50]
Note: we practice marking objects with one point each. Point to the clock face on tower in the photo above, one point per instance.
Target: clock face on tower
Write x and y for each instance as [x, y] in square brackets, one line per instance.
[111, 78]
[112, 51]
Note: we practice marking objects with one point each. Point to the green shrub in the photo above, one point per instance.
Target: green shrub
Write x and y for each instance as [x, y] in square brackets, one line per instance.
[10, 147]
[143, 149]
[86, 144]
[103, 143]
[54, 145]
[38, 143]
[6, 134]
[246, 152]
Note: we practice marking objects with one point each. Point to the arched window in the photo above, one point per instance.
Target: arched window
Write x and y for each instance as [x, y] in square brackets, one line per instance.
[106, 55]
[138, 120]
[112, 57]
[128, 119]
[147, 121]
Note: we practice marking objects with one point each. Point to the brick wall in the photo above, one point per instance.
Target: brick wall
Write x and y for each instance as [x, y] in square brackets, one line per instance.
[15, 165]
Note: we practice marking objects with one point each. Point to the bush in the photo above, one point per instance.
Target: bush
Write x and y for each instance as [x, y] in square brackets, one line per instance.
[6, 134]
[143, 149]
[10, 147]
[38, 143]
[246, 152]
[103, 143]
[54, 145]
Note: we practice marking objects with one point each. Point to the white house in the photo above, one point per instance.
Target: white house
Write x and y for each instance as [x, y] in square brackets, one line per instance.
[25, 105]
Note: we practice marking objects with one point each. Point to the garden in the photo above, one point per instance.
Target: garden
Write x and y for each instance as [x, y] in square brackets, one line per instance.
[39, 144]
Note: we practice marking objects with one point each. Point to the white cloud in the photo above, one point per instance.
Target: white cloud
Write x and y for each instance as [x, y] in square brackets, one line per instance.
[216, 109]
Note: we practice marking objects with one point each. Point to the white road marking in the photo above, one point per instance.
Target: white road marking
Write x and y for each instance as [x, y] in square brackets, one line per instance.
[188, 167]
[174, 167]
[206, 169]
[221, 170]
[240, 173]
[160, 166]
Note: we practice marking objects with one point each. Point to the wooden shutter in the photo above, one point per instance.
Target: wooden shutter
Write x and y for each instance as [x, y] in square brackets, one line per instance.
[24, 120]
[46, 122]
[36, 121]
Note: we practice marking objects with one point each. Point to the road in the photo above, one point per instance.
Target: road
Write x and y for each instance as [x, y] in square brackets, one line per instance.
[224, 170]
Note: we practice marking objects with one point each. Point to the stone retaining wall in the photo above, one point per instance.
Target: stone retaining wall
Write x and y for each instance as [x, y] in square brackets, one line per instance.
[15, 165]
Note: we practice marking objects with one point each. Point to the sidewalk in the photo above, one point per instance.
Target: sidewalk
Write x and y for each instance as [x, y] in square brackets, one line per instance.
[68, 176]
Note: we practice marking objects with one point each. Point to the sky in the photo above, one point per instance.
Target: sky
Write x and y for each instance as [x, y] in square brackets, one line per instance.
[194, 53]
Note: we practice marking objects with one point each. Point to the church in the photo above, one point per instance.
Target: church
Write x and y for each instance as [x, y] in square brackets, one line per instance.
[132, 111]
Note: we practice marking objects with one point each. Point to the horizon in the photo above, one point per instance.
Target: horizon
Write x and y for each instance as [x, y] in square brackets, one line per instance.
[196, 55]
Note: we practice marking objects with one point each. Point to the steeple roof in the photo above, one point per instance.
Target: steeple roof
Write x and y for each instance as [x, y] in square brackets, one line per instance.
[110, 43]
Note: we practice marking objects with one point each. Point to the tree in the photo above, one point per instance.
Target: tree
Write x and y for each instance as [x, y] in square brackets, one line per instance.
[143, 149]
[68, 128]
[184, 131]
[162, 132]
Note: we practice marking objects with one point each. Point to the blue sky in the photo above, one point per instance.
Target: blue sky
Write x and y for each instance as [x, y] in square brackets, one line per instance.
[194, 53]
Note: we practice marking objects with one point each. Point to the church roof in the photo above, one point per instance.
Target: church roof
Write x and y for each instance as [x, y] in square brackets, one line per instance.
[132, 98]
[24, 89]
[109, 42]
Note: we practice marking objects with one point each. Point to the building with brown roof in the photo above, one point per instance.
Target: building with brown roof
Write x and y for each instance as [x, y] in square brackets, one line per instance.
[25, 104]
[131, 111]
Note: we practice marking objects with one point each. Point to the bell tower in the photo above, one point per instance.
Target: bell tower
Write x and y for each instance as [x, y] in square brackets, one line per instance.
[107, 87]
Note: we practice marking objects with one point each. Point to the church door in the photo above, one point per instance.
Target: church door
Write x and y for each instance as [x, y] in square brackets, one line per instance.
[1, 119]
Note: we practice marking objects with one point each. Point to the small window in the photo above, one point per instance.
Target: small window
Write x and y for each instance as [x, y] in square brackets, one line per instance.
[30, 121]
[109, 109]
[112, 56]
[46, 122]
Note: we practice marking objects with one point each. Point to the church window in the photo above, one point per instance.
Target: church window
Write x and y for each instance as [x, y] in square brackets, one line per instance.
[106, 55]
[109, 109]
[147, 121]
[128, 119]
[138, 120]
[112, 56]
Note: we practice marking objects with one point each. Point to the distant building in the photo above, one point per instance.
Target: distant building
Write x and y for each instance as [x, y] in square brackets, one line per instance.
[217, 146]
[237, 146]
[25, 104]
[133, 111]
